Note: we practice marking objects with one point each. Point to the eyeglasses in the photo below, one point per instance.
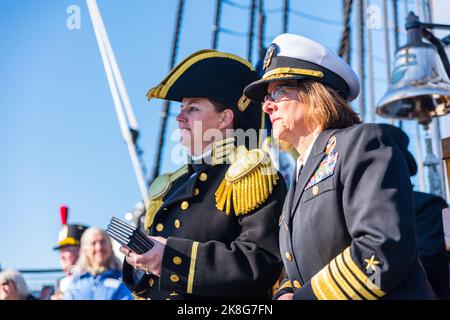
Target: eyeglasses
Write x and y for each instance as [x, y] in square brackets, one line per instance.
[278, 93]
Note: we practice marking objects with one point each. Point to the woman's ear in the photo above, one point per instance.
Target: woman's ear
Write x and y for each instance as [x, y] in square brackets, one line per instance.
[226, 119]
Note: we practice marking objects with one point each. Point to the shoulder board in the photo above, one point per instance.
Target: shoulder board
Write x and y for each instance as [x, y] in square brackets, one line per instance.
[248, 181]
[162, 184]
[158, 189]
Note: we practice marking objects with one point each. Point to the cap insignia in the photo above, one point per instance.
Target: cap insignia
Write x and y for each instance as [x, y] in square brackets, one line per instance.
[272, 51]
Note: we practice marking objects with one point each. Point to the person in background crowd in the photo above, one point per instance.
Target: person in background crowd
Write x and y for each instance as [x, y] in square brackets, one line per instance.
[68, 246]
[96, 275]
[13, 286]
[429, 225]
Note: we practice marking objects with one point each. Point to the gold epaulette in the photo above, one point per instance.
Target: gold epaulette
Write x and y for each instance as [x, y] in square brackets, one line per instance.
[158, 189]
[248, 182]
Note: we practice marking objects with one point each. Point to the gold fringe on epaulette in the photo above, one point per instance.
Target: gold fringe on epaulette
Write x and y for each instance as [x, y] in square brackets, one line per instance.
[248, 192]
[153, 207]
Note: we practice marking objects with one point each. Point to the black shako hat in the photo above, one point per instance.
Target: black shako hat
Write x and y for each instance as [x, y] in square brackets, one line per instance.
[216, 75]
[69, 234]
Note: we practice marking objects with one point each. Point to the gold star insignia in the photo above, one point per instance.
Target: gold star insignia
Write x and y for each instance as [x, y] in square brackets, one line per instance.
[371, 263]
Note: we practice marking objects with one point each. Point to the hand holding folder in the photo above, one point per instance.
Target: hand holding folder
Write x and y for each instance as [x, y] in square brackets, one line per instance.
[129, 236]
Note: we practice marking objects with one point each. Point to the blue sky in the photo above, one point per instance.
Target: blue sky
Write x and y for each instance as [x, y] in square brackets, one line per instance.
[59, 137]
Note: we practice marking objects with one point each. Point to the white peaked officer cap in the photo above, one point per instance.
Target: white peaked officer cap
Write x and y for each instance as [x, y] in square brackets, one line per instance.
[293, 57]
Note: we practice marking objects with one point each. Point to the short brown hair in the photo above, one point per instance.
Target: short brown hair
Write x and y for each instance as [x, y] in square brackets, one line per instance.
[220, 106]
[325, 107]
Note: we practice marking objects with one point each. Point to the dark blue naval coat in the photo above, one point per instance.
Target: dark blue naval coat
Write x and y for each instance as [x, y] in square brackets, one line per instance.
[347, 230]
[431, 241]
[210, 254]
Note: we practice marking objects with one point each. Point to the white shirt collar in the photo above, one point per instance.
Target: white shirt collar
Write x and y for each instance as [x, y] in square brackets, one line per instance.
[203, 155]
[301, 163]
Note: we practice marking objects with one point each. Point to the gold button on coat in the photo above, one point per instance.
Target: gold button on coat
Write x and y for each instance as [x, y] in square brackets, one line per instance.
[203, 176]
[184, 205]
[151, 282]
[159, 227]
[196, 191]
[177, 260]
[315, 190]
[288, 256]
[174, 278]
[297, 284]
[177, 223]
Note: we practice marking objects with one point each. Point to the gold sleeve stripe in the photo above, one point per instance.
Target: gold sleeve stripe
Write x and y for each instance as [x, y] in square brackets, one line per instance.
[324, 286]
[360, 275]
[190, 283]
[352, 280]
[287, 284]
[342, 282]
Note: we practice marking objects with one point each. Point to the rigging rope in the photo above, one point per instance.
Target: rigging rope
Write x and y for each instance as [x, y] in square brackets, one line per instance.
[236, 5]
[345, 44]
[396, 34]
[233, 32]
[371, 85]
[250, 32]
[217, 24]
[387, 47]
[285, 15]
[166, 109]
[316, 18]
[262, 25]
[295, 12]
[362, 95]
[396, 28]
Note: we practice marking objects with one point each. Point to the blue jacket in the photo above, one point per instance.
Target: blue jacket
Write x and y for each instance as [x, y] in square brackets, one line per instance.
[105, 286]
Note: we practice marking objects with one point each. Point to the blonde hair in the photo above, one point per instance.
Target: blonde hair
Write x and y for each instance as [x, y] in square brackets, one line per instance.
[84, 265]
[16, 277]
[325, 107]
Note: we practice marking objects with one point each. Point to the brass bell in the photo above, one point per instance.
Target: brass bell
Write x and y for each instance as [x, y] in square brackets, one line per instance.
[419, 87]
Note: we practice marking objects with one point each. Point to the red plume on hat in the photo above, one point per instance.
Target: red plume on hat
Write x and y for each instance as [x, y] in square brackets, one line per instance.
[64, 212]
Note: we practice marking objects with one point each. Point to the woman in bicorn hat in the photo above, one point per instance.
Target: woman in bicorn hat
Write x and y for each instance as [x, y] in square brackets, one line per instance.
[214, 221]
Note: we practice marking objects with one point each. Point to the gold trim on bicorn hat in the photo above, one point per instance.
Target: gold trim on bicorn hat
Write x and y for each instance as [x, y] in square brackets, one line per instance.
[161, 90]
[243, 103]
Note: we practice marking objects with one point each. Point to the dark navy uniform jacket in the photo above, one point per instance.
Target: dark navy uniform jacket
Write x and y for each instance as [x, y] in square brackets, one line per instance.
[210, 254]
[431, 241]
[347, 230]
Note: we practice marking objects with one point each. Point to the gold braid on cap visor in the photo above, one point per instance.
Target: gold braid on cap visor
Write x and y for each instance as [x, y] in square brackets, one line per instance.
[291, 72]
